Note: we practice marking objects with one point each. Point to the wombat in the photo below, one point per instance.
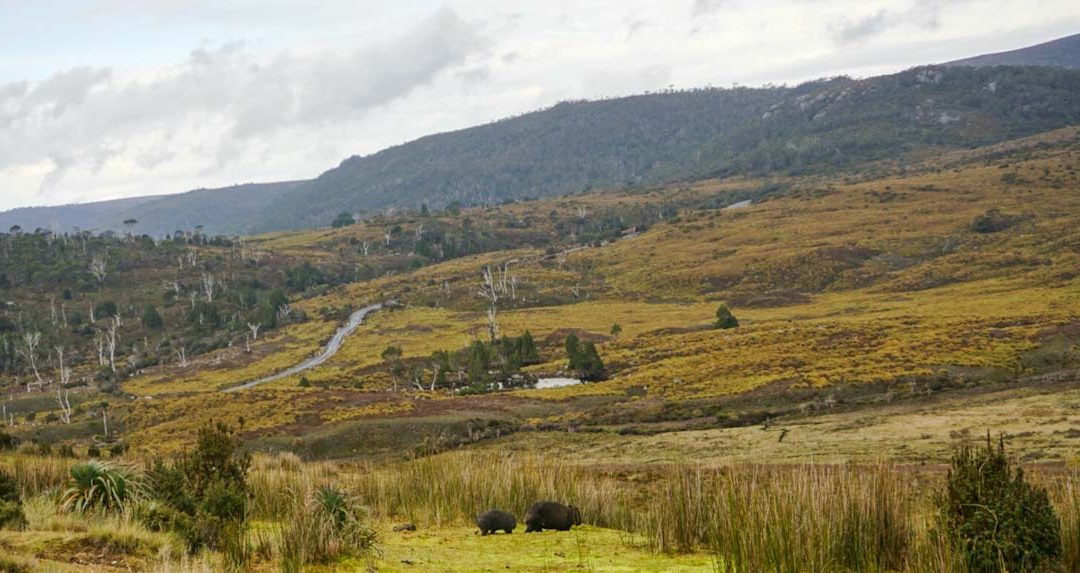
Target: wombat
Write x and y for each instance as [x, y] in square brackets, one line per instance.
[551, 515]
[494, 520]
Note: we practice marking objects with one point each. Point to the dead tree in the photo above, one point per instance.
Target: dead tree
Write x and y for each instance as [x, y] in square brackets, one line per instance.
[64, 400]
[209, 283]
[181, 355]
[489, 291]
[31, 340]
[99, 268]
[111, 339]
[62, 368]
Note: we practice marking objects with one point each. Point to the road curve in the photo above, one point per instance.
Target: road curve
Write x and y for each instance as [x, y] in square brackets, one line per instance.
[329, 351]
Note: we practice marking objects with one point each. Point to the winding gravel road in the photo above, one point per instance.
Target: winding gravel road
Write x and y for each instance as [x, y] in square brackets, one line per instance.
[329, 351]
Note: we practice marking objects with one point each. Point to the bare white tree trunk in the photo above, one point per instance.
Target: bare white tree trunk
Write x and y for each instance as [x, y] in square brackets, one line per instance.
[111, 340]
[209, 283]
[254, 328]
[62, 398]
[489, 291]
[435, 376]
[181, 355]
[31, 340]
[99, 268]
[63, 370]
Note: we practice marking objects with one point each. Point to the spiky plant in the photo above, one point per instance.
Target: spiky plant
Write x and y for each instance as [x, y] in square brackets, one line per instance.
[97, 485]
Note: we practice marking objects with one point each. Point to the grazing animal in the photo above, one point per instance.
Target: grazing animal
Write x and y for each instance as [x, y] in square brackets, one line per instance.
[494, 520]
[551, 515]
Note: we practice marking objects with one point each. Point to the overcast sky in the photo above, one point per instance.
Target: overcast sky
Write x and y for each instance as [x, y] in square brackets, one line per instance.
[103, 99]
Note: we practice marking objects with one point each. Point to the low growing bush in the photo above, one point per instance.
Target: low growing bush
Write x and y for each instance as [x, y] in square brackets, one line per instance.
[999, 521]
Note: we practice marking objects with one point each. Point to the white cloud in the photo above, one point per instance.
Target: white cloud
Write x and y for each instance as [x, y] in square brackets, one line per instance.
[86, 117]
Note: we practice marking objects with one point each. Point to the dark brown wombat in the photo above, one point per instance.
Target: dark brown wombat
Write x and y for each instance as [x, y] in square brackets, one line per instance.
[494, 520]
[551, 515]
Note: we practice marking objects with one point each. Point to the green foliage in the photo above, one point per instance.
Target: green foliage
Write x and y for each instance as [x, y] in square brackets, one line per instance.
[585, 361]
[9, 487]
[97, 485]
[725, 319]
[993, 221]
[344, 219]
[304, 382]
[203, 493]
[303, 277]
[328, 525]
[8, 442]
[11, 513]
[105, 309]
[151, 318]
[998, 520]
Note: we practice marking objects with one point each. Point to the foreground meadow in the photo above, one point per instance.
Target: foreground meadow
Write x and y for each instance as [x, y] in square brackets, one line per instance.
[638, 517]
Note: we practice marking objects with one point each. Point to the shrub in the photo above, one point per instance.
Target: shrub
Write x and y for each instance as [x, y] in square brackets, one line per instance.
[151, 318]
[725, 319]
[998, 520]
[203, 494]
[993, 221]
[585, 361]
[8, 442]
[344, 219]
[65, 451]
[11, 515]
[9, 487]
[96, 485]
[93, 451]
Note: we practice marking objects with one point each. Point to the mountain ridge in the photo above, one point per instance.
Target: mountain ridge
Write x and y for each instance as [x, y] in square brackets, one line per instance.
[1063, 53]
[634, 140]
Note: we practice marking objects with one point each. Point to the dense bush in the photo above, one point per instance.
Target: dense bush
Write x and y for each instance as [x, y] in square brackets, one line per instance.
[993, 221]
[202, 493]
[11, 513]
[585, 361]
[725, 319]
[8, 442]
[998, 520]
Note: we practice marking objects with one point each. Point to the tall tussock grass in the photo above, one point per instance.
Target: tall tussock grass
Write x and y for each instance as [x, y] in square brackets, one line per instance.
[804, 519]
[38, 474]
[751, 518]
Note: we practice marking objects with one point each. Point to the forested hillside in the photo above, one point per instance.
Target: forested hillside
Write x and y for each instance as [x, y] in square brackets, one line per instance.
[818, 127]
